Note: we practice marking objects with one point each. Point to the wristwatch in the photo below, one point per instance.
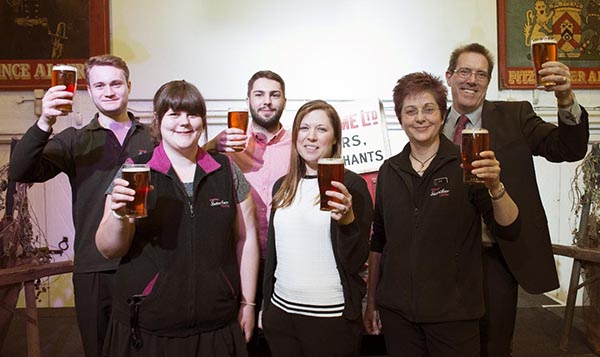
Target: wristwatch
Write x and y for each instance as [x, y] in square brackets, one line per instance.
[498, 196]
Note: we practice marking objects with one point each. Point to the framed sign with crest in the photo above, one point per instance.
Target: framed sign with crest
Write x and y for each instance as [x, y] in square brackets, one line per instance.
[575, 24]
[37, 34]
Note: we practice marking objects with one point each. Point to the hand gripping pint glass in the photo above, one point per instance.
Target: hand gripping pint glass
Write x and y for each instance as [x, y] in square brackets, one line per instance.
[474, 141]
[67, 76]
[329, 169]
[138, 176]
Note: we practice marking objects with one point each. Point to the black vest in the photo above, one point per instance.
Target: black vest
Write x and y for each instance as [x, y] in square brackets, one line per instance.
[190, 244]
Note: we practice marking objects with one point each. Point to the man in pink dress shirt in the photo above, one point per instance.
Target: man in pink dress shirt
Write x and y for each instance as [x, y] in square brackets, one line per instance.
[267, 154]
[265, 159]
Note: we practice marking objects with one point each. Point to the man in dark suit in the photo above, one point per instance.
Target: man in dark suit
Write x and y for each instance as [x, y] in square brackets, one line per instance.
[516, 134]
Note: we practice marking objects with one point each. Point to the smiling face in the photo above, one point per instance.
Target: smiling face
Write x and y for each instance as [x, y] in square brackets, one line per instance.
[109, 89]
[468, 93]
[421, 119]
[266, 102]
[180, 131]
[315, 140]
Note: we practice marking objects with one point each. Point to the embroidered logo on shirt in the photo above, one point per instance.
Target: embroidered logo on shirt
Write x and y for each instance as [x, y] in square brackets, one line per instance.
[217, 202]
[437, 191]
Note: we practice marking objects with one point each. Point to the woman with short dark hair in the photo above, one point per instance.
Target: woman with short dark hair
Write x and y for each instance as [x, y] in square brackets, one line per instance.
[425, 271]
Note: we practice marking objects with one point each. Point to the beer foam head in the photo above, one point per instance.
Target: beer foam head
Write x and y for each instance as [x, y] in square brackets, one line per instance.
[331, 161]
[135, 168]
[64, 67]
[475, 131]
[236, 110]
[543, 40]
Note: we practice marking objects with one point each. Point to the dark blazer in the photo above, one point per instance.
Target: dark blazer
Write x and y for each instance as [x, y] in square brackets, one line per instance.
[516, 134]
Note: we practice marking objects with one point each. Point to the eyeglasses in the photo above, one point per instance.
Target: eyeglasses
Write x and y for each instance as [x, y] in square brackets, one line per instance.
[414, 111]
[465, 73]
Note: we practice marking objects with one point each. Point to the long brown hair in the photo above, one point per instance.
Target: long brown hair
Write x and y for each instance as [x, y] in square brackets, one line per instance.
[287, 192]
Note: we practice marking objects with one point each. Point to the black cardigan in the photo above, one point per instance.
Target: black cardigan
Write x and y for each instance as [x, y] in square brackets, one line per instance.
[350, 248]
[429, 233]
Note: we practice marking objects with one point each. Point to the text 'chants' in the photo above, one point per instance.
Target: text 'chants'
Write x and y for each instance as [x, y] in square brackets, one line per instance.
[361, 157]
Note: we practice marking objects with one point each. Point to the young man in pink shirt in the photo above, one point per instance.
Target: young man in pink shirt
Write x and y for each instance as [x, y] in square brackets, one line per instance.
[267, 153]
[265, 158]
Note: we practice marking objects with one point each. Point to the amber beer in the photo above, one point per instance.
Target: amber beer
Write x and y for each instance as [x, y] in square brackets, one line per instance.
[329, 169]
[542, 51]
[474, 141]
[138, 176]
[238, 118]
[67, 76]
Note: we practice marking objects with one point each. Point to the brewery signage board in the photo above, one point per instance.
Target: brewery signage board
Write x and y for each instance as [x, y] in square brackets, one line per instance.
[365, 143]
[37, 34]
[576, 26]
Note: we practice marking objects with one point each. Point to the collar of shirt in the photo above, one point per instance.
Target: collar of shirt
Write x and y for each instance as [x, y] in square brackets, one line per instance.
[452, 120]
[161, 163]
[474, 118]
[261, 137]
[95, 122]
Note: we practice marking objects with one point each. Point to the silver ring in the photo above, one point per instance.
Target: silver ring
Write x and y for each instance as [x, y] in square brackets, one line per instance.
[345, 210]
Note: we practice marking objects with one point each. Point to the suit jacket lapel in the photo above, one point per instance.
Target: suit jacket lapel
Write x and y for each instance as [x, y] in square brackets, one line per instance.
[489, 119]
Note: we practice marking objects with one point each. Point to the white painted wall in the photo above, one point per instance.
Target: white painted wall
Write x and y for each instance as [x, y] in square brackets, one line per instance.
[328, 49]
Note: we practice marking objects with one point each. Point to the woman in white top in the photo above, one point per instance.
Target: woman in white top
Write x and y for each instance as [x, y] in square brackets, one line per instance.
[313, 290]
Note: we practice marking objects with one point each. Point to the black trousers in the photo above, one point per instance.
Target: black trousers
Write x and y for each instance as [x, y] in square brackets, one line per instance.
[93, 302]
[443, 339]
[293, 335]
[500, 293]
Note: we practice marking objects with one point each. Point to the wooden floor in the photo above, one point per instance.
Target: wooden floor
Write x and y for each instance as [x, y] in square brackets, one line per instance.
[538, 329]
[536, 335]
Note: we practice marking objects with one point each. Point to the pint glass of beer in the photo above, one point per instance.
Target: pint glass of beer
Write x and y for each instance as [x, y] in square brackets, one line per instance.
[329, 169]
[238, 118]
[543, 50]
[67, 76]
[138, 176]
[474, 141]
